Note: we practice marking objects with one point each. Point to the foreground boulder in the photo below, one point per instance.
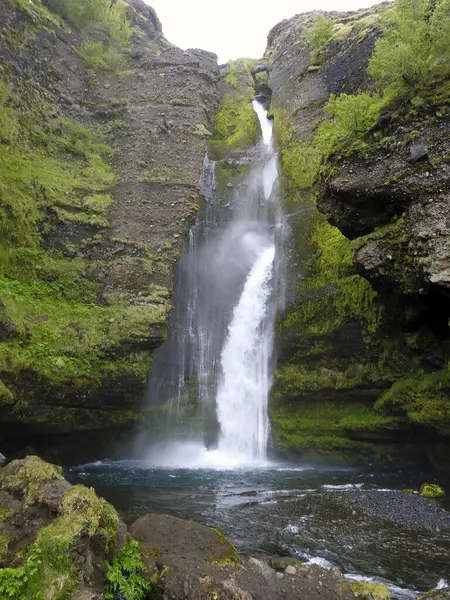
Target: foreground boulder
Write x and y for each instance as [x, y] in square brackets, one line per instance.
[54, 537]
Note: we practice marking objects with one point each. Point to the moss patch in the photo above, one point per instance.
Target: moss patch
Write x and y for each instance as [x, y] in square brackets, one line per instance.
[370, 591]
[230, 556]
[431, 490]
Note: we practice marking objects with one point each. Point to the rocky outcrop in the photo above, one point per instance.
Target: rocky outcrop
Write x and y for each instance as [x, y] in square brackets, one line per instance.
[103, 132]
[54, 537]
[363, 344]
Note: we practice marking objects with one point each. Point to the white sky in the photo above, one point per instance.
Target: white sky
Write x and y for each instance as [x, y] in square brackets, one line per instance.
[234, 28]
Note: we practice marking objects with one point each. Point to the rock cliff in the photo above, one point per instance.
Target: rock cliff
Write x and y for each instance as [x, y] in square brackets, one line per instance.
[363, 345]
[103, 128]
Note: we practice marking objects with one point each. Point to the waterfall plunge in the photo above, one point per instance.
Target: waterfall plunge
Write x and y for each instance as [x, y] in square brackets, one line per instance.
[222, 330]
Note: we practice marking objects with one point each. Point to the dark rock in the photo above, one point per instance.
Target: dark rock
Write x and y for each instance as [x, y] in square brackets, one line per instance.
[418, 152]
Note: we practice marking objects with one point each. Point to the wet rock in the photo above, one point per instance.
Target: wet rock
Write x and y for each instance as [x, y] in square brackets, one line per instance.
[418, 152]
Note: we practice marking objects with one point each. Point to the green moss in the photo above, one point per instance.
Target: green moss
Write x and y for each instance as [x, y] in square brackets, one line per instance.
[6, 396]
[230, 556]
[236, 124]
[28, 477]
[422, 397]
[95, 515]
[99, 57]
[102, 14]
[370, 591]
[431, 490]
[53, 567]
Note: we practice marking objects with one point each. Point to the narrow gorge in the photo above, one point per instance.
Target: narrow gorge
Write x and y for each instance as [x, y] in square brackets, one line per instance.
[224, 301]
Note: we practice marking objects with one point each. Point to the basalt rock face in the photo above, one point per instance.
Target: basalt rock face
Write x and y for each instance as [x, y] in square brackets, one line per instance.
[363, 344]
[103, 135]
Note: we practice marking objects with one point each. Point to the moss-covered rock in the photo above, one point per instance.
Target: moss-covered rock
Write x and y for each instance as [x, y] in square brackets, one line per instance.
[370, 591]
[236, 125]
[54, 537]
[431, 490]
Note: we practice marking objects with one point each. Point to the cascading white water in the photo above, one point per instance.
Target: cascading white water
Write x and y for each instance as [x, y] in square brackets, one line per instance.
[214, 371]
[244, 387]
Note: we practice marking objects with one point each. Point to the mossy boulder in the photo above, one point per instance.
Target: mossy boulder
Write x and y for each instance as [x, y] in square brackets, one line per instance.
[431, 490]
[370, 591]
[54, 537]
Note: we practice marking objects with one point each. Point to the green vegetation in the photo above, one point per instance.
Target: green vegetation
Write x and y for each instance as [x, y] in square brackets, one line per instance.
[431, 490]
[99, 57]
[320, 34]
[413, 52]
[370, 591]
[236, 124]
[422, 397]
[52, 567]
[127, 576]
[230, 556]
[412, 56]
[29, 475]
[331, 296]
[324, 422]
[95, 13]
[63, 333]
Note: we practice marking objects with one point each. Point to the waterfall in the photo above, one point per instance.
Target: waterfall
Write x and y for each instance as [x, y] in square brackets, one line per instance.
[244, 389]
[212, 376]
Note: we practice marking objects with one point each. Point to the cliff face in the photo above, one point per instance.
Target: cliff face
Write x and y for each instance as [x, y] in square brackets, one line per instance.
[103, 128]
[363, 345]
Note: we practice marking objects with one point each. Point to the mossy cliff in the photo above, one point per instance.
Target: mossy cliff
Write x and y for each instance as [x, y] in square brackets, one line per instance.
[103, 128]
[363, 344]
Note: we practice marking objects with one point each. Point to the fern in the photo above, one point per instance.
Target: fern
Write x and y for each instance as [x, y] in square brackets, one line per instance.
[125, 576]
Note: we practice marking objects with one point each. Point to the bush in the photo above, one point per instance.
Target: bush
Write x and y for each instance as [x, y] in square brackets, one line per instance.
[414, 49]
[320, 33]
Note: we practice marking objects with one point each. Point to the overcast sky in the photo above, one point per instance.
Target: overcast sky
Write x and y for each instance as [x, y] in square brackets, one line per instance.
[234, 28]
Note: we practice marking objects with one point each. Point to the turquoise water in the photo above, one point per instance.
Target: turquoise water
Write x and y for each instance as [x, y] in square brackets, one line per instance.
[288, 510]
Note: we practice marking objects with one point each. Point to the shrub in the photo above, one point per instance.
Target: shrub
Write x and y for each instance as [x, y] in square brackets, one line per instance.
[414, 49]
[320, 33]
